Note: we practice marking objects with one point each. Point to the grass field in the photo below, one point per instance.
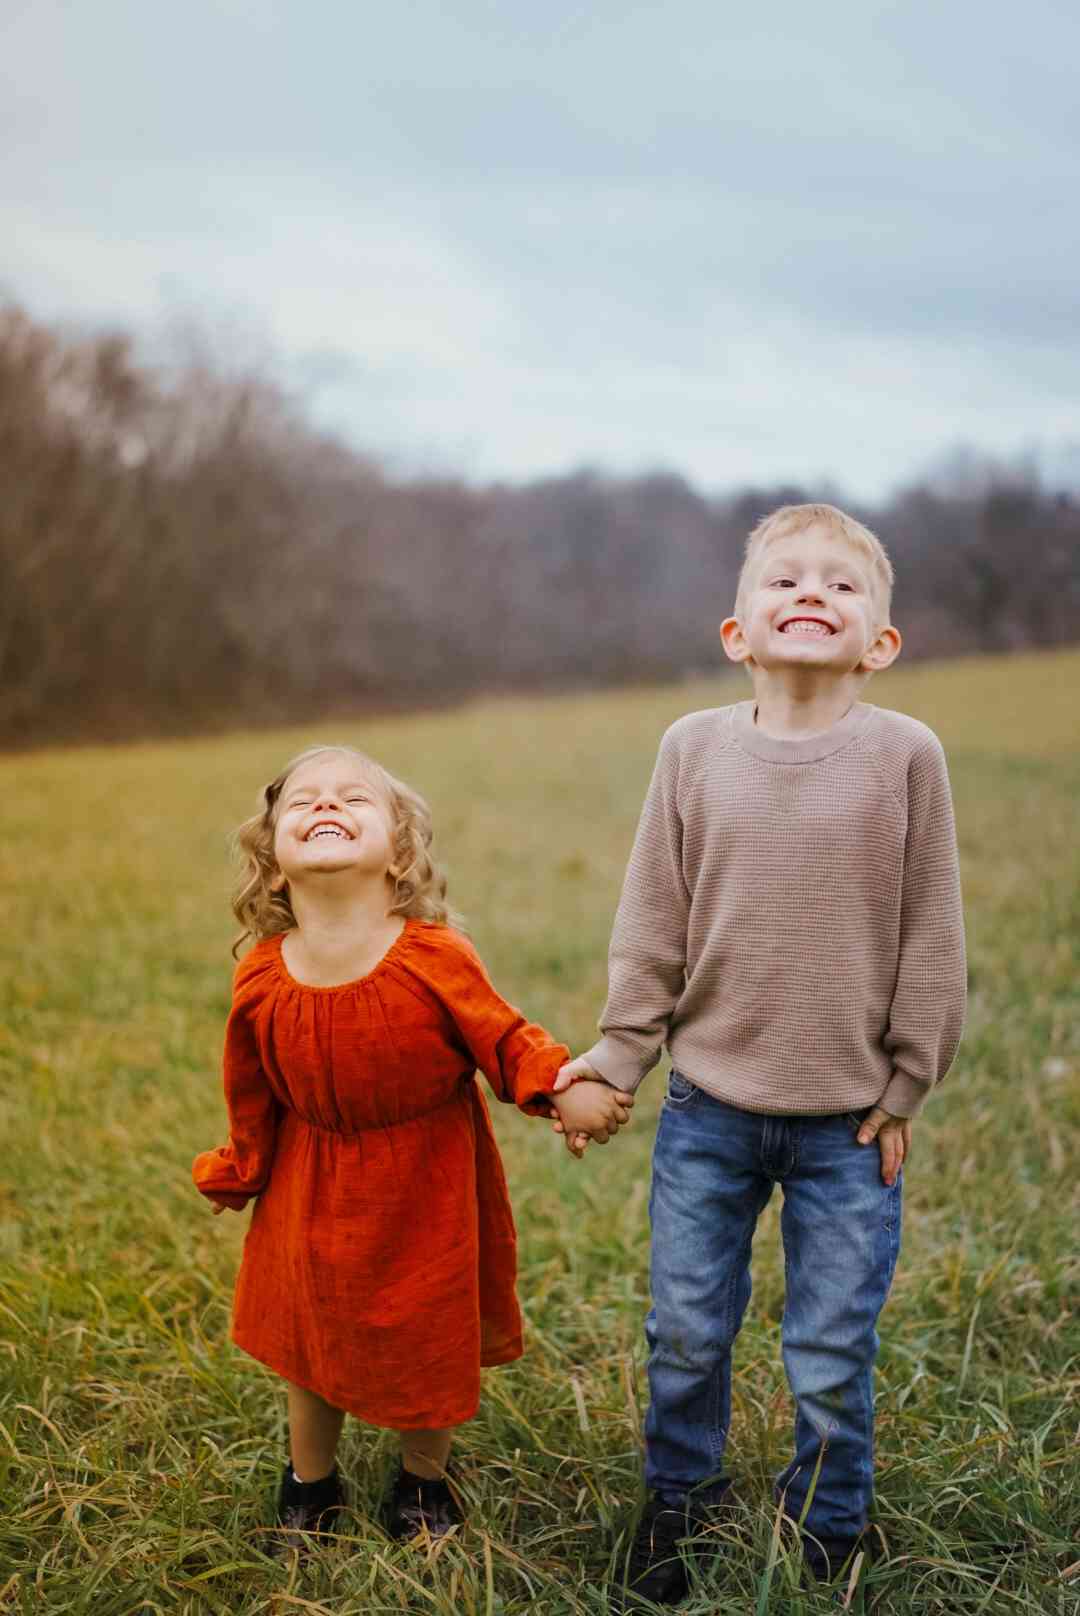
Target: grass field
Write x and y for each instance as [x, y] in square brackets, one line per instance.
[139, 1450]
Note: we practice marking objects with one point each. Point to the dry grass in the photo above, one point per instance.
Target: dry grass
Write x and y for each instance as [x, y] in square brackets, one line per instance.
[139, 1450]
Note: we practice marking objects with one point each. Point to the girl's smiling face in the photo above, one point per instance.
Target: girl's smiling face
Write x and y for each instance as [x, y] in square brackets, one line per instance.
[331, 819]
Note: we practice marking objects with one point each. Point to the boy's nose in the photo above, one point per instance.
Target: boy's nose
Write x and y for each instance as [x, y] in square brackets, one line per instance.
[811, 592]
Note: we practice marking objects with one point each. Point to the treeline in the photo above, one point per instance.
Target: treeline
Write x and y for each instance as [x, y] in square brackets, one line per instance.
[179, 549]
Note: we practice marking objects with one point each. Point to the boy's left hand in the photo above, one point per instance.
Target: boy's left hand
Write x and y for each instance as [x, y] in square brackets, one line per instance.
[893, 1135]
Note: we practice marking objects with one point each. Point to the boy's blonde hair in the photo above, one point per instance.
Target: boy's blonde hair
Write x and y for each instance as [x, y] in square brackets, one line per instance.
[419, 886]
[791, 520]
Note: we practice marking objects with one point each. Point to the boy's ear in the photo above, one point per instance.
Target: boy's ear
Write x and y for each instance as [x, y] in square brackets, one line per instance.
[733, 640]
[882, 651]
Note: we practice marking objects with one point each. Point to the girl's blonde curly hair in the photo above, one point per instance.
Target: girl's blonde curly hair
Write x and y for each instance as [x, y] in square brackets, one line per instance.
[264, 909]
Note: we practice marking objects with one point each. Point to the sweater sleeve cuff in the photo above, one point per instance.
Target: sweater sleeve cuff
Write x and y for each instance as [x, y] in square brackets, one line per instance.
[904, 1097]
[618, 1063]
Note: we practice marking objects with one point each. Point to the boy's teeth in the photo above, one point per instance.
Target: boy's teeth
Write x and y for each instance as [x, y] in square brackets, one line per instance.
[804, 626]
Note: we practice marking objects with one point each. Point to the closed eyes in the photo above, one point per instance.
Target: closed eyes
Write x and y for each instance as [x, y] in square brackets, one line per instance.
[790, 583]
[306, 802]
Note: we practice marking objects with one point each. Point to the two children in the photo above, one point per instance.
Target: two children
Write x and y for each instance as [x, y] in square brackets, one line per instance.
[789, 926]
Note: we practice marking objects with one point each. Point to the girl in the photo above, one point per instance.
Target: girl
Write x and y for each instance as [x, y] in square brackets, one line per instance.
[378, 1270]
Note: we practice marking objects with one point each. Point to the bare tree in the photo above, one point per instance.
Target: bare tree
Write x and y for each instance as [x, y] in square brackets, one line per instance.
[180, 548]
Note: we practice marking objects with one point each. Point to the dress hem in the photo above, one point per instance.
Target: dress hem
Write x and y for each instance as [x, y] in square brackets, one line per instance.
[387, 1422]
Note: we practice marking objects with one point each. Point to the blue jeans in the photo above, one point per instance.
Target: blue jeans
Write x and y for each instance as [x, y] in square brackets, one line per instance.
[714, 1168]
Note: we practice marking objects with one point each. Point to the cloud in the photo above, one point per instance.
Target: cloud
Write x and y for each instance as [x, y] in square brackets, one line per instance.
[764, 247]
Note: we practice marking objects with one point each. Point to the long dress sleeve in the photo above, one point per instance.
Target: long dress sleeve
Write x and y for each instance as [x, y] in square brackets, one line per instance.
[927, 1012]
[519, 1059]
[647, 955]
[239, 1170]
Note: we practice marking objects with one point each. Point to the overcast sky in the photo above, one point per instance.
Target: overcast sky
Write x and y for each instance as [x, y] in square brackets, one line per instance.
[748, 244]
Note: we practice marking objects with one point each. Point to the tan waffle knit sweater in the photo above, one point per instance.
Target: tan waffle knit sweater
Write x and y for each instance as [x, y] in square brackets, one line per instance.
[790, 922]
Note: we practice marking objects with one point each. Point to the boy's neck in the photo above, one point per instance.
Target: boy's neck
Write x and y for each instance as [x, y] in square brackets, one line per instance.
[791, 704]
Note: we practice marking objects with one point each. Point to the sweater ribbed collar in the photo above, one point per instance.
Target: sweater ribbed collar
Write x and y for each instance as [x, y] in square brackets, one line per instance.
[810, 748]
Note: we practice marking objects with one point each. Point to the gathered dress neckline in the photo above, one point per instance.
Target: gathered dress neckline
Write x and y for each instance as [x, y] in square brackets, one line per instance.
[354, 981]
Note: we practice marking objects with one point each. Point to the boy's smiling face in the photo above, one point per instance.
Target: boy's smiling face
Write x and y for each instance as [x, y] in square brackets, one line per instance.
[810, 604]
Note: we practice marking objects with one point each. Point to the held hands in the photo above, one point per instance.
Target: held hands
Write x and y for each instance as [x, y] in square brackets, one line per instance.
[893, 1135]
[587, 1108]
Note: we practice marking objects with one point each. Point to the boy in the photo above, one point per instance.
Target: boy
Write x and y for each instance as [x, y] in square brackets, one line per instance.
[790, 926]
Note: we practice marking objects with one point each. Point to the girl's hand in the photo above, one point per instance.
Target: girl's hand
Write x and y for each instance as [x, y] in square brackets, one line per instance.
[576, 1143]
[591, 1108]
[218, 1208]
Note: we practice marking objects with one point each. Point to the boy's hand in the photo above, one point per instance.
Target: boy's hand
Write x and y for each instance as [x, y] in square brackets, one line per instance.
[893, 1135]
[590, 1110]
[219, 1207]
[573, 1072]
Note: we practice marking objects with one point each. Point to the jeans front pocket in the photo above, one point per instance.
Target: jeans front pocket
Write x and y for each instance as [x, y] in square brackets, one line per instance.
[680, 1093]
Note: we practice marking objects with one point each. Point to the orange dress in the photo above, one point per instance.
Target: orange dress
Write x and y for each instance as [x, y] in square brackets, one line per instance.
[378, 1270]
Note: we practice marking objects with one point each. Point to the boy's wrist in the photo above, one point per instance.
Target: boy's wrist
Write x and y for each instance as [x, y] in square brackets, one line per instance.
[903, 1096]
[617, 1064]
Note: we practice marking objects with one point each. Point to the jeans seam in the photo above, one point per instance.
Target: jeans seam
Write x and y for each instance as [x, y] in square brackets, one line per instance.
[890, 1208]
[716, 1436]
[729, 1304]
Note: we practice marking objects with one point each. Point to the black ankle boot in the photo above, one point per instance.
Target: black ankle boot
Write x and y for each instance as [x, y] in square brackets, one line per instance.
[672, 1536]
[305, 1507]
[415, 1505]
[825, 1558]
